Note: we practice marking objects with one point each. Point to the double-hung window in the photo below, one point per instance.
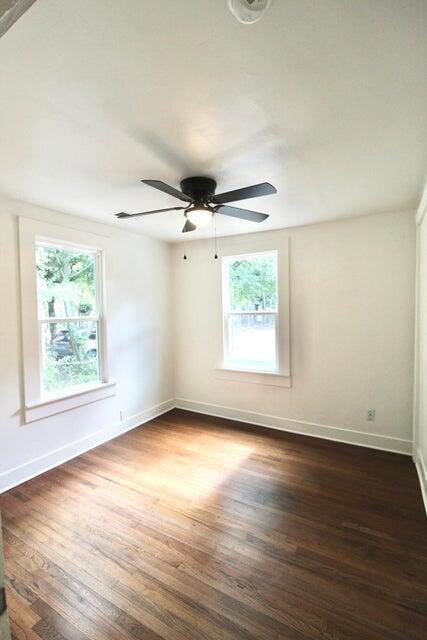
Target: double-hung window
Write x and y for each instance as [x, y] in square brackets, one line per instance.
[69, 312]
[250, 309]
[63, 318]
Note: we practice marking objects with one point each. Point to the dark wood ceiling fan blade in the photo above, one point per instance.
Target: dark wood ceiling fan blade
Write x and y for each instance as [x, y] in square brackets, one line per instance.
[166, 188]
[244, 214]
[122, 214]
[255, 191]
[189, 226]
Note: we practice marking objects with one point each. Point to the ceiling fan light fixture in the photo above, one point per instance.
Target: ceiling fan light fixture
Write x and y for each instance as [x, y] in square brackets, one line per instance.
[199, 215]
[202, 203]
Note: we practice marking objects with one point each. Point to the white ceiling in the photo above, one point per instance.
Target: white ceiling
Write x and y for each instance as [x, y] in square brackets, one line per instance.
[325, 99]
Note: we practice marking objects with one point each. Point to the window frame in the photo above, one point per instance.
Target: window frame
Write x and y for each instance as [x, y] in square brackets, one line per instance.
[98, 318]
[227, 313]
[248, 244]
[38, 404]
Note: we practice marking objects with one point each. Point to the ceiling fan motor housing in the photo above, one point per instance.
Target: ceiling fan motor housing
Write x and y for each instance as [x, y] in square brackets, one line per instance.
[198, 188]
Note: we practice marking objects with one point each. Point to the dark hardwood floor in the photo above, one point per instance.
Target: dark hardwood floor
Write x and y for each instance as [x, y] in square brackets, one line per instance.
[195, 528]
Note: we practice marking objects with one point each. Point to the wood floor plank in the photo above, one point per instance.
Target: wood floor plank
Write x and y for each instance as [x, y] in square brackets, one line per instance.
[21, 617]
[52, 626]
[198, 528]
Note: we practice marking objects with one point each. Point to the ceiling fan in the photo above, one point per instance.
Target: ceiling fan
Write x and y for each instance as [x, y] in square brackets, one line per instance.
[203, 204]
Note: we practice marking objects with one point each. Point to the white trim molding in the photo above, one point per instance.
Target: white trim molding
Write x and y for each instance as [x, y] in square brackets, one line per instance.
[269, 378]
[422, 208]
[327, 432]
[419, 375]
[422, 475]
[77, 397]
[16, 476]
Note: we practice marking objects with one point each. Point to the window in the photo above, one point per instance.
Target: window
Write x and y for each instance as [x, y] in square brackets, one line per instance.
[63, 318]
[68, 304]
[250, 304]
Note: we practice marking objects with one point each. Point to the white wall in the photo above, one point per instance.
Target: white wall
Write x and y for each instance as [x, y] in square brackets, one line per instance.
[420, 409]
[352, 327]
[138, 289]
[352, 321]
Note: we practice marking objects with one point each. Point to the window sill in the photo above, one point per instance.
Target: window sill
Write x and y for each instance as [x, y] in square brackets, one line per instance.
[76, 397]
[270, 378]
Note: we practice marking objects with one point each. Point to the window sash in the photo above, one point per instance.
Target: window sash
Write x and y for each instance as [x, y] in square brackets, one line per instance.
[69, 388]
[97, 256]
[96, 316]
[63, 320]
[252, 313]
[227, 262]
[228, 361]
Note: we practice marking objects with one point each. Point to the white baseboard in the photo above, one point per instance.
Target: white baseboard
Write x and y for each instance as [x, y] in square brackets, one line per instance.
[35, 467]
[422, 475]
[349, 436]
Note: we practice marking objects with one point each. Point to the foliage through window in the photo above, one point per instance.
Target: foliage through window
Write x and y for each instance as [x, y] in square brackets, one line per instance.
[68, 311]
[250, 311]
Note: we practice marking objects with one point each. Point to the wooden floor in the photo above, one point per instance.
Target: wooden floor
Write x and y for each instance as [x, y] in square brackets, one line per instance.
[198, 528]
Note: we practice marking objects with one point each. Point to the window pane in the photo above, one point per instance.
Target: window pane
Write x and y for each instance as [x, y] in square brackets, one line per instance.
[70, 354]
[66, 282]
[252, 342]
[253, 283]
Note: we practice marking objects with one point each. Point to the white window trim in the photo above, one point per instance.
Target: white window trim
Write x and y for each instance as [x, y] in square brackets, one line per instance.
[37, 405]
[249, 246]
[271, 379]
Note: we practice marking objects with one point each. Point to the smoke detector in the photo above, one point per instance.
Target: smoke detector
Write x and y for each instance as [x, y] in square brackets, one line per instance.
[248, 11]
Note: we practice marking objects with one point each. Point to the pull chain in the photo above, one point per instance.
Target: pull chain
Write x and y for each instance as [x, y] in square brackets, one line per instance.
[216, 251]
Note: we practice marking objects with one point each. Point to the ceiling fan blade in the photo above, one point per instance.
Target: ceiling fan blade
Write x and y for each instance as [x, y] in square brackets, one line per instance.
[255, 191]
[122, 214]
[189, 226]
[162, 186]
[244, 214]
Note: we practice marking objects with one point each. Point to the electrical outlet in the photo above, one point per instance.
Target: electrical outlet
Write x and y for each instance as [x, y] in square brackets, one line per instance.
[122, 415]
[370, 415]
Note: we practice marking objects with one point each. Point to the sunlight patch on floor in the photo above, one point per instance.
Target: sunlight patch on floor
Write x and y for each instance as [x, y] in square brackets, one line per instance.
[218, 459]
